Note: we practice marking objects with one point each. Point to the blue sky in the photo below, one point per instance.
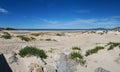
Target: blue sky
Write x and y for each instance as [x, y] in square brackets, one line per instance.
[59, 14]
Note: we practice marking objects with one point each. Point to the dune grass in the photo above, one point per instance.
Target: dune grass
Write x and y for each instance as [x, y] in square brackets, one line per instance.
[78, 57]
[35, 34]
[6, 35]
[112, 45]
[76, 48]
[32, 51]
[93, 51]
[25, 38]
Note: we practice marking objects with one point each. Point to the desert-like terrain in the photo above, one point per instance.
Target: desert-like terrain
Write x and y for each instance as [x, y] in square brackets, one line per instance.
[58, 43]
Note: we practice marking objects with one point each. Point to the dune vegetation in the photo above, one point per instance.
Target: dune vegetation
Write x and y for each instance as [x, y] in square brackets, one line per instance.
[32, 51]
[93, 51]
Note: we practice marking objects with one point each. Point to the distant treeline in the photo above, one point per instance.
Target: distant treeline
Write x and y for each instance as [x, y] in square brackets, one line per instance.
[7, 28]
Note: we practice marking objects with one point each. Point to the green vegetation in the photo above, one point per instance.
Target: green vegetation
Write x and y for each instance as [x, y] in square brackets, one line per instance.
[112, 45]
[32, 51]
[32, 38]
[93, 51]
[35, 34]
[6, 35]
[75, 55]
[60, 34]
[76, 48]
[24, 38]
[48, 39]
[78, 57]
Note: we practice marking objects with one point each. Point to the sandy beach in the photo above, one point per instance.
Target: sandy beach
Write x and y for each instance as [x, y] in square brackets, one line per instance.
[62, 42]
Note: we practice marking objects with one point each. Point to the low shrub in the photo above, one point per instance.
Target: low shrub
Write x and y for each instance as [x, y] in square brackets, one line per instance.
[75, 55]
[112, 45]
[32, 38]
[48, 39]
[32, 51]
[35, 34]
[76, 48]
[6, 35]
[24, 38]
[78, 57]
[92, 51]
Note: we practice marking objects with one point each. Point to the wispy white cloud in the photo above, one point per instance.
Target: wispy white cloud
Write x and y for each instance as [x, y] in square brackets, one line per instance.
[2, 10]
[49, 21]
[108, 22]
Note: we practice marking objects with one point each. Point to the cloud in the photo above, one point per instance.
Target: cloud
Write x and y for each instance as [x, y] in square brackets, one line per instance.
[2, 10]
[49, 21]
[108, 22]
[83, 11]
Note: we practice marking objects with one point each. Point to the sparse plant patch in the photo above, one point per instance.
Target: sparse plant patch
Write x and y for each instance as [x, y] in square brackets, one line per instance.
[24, 38]
[76, 48]
[93, 51]
[32, 38]
[112, 45]
[6, 35]
[48, 39]
[78, 57]
[35, 34]
[60, 34]
[32, 51]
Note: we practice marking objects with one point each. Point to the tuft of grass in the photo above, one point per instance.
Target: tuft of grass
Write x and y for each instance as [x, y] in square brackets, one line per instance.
[32, 38]
[93, 51]
[24, 38]
[48, 39]
[35, 34]
[32, 51]
[78, 57]
[75, 55]
[6, 35]
[76, 48]
[112, 45]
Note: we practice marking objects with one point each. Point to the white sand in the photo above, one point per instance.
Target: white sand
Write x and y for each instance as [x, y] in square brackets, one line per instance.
[104, 58]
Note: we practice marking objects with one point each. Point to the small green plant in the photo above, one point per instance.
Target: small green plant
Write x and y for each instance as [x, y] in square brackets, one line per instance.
[76, 48]
[32, 38]
[112, 45]
[6, 35]
[75, 55]
[35, 34]
[24, 38]
[78, 57]
[48, 39]
[32, 51]
[93, 51]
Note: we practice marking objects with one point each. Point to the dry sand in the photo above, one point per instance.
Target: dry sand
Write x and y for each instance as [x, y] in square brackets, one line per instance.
[63, 44]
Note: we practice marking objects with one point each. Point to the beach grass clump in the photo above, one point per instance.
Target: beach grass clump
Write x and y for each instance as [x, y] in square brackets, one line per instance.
[32, 51]
[24, 38]
[76, 48]
[78, 58]
[32, 38]
[48, 39]
[35, 34]
[112, 45]
[75, 55]
[6, 35]
[93, 51]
